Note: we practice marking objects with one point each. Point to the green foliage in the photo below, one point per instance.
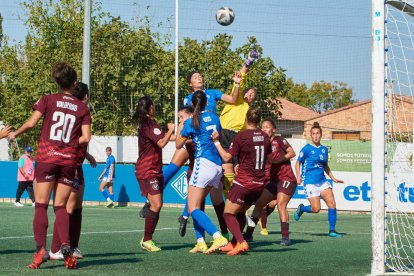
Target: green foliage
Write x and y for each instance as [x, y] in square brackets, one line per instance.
[128, 62]
[321, 96]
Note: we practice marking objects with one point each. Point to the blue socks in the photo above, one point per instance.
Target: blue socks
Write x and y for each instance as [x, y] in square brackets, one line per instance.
[199, 231]
[112, 197]
[332, 219]
[169, 172]
[306, 209]
[203, 221]
[105, 194]
[185, 211]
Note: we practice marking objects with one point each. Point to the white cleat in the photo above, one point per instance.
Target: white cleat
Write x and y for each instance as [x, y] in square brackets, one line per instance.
[55, 256]
[77, 253]
[18, 204]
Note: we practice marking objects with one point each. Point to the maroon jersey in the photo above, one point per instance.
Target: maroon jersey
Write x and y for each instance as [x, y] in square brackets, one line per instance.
[282, 171]
[191, 151]
[81, 154]
[251, 147]
[63, 117]
[149, 163]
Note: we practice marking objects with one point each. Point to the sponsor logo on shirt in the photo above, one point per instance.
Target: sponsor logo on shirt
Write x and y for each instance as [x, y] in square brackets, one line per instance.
[207, 119]
[47, 177]
[52, 152]
[157, 131]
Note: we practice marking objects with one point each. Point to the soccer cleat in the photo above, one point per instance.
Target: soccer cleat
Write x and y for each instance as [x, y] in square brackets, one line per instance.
[264, 232]
[183, 225]
[39, 258]
[298, 212]
[144, 209]
[77, 253]
[334, 234]
[239, 248]
[200, 247]
[227, 248]
[55, 256]
[285, 241]
[110, 204]
[248, 237]
[70, 261]
[250, 222]
[18, 204]
[149, 246]
[217, 243]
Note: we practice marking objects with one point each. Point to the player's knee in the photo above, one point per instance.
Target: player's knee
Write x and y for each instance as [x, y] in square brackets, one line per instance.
[316, 209]
[331, 204]
[156, 207]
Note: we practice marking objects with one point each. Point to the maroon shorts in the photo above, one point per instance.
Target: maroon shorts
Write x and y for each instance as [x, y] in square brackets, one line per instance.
[152, 186]
[79, 179]
[240, 195]
[281, 186]
[47, 172]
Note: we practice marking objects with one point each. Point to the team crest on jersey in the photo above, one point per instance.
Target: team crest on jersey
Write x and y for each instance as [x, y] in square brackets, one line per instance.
[321, 156]
[154, 185]
[301, 154]
[180, 185]
[312, 152]
[323, 150]
[157, 131]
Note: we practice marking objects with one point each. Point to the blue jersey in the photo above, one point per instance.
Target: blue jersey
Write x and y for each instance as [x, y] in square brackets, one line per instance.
[213, 95]
[313, 159]
[204, 145]
[109, 161]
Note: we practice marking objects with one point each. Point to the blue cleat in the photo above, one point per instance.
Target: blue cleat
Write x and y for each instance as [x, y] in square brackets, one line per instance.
[334, 234]
[298, 212]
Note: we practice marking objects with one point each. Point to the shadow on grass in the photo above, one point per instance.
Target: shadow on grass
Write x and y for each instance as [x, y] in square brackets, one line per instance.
[107, 261]
[177, 246]
[326, 234]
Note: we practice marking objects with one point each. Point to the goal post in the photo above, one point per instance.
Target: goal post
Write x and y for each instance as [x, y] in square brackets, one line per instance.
[378, 139]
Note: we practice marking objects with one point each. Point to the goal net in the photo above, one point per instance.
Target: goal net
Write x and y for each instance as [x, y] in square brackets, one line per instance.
[399, 148]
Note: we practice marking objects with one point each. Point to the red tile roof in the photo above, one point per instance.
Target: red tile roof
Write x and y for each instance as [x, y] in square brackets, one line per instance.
[294, 112]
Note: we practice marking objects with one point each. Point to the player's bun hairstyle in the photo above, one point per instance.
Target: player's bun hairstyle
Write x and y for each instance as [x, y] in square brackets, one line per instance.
[80, 90]
[64, 75]
[142, 110]
[188, 109]
[199, 102]
[270, 121]
[190, 75]
[254, 116]
[316, 126]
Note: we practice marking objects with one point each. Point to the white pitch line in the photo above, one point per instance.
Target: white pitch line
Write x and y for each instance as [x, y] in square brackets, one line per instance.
[91, 233]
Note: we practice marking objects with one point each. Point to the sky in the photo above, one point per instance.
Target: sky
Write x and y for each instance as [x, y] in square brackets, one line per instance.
[312, 40]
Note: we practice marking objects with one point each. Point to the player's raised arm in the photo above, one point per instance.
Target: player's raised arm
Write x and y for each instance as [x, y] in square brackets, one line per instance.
[28, 125]
[164, 141]
[4, 132]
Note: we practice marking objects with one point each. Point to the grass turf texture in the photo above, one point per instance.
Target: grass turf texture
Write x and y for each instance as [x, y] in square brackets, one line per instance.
[110, 244]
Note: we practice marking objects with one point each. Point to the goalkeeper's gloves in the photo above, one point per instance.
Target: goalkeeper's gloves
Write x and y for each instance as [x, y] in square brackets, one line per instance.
[252, 56]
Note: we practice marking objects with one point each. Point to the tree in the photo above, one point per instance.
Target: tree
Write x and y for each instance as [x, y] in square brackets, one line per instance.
[321, 96]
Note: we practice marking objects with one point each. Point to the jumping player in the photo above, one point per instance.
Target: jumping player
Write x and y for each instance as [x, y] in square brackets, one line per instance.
[313, 159]
[207, 171]
[282, 183]
[148, 169]
[66, 125]
[107, 176]
[251, 147]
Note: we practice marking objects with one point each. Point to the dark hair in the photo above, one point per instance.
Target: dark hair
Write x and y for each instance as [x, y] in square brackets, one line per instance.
[254, 115]
[190, 75]
[270, 121]
[80, 90]
[199, 101]
[108, 148]
[142, 109]
[316, 126]
[64, 75]
[188, 109]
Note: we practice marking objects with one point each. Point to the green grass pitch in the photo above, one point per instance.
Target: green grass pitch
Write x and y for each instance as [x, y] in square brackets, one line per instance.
[110, 244]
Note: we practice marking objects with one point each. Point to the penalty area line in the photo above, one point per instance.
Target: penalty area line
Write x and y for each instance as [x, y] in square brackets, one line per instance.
[93, 233]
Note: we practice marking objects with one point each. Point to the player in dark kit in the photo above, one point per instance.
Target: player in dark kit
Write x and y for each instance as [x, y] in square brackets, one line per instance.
[66, 126]
[282, 183]
[148, 169]
[74, 205]
[251, 147]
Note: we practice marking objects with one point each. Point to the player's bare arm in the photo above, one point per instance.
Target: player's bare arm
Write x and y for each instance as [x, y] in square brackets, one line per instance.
[5, 131]
[28, 125]
[330, 174]
[298, 175]
[164, 141]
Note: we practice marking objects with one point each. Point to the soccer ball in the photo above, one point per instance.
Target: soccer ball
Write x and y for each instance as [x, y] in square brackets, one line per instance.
[225, 16]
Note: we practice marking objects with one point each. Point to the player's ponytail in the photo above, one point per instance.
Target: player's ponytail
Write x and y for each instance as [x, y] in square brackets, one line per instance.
[142, 110]
[316, 126]
[199, 101]
[254, 116]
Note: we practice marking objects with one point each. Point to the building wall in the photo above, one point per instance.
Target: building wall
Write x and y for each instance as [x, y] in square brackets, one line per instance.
[356, 119]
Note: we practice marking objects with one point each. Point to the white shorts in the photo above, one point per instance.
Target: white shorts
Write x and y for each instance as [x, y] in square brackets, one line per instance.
[312, 190]
[206, 173]
[106, 179]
